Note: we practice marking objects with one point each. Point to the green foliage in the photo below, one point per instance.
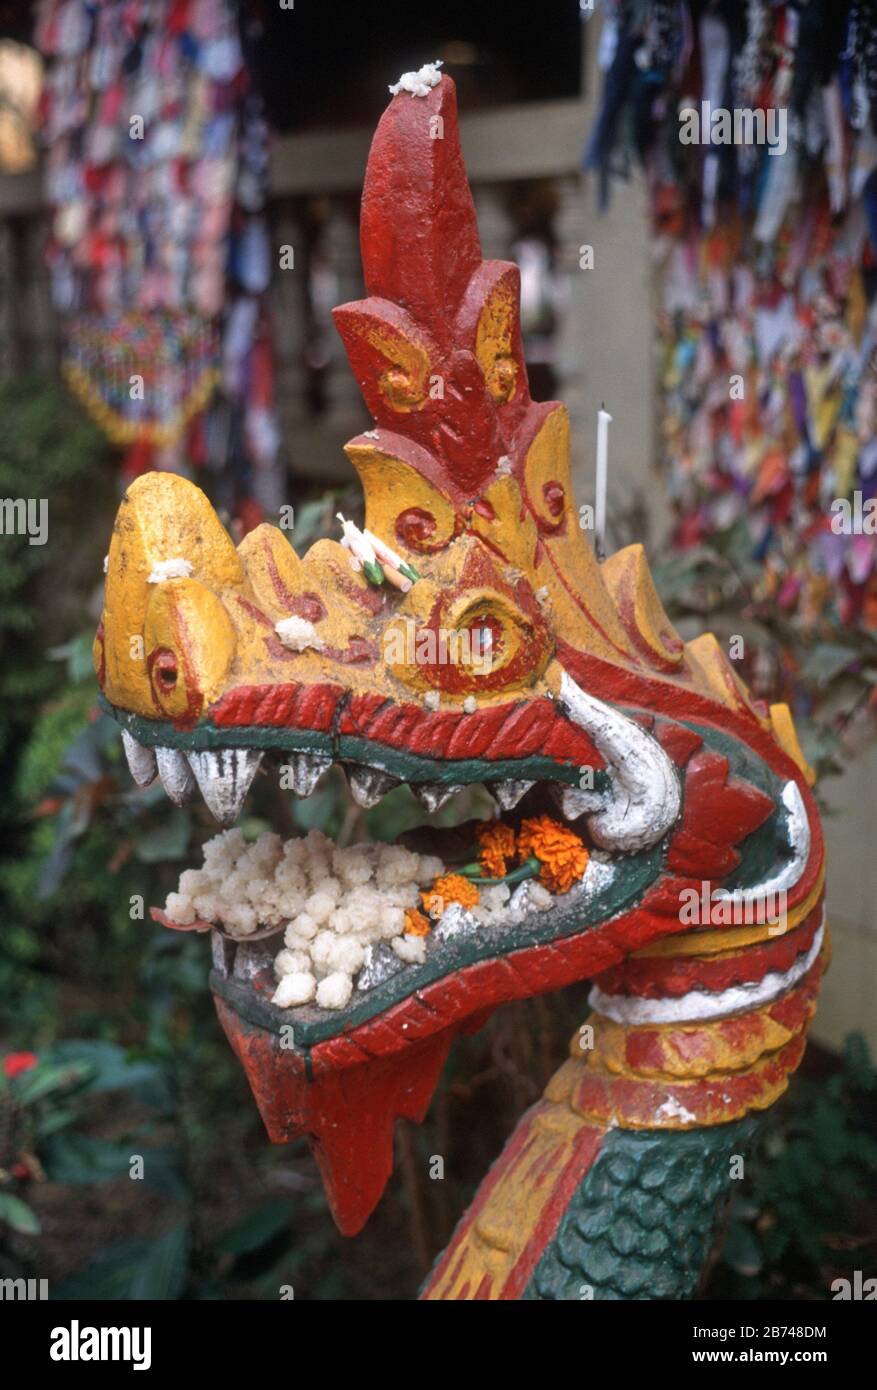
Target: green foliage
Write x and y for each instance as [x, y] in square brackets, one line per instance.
[48, 449]
[828, 683]
[806, 1210]
[44, 757]
[32, 1107]
[17, 1214]
[135, 1269]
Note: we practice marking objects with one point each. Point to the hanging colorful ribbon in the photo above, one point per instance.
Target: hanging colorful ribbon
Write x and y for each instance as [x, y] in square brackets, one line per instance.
[156, 167]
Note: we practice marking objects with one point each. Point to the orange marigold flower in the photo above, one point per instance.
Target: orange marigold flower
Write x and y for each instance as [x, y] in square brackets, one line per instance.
[497, 845]
[416, 924]
[449, 888]
[560, 851]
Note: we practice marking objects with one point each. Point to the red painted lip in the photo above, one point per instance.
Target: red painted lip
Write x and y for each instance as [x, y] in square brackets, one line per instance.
[516, 729]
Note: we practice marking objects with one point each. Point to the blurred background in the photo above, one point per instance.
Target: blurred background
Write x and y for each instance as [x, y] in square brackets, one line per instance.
[205, 250]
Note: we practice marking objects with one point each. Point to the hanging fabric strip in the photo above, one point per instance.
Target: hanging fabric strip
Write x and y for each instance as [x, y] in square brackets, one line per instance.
[156, 169]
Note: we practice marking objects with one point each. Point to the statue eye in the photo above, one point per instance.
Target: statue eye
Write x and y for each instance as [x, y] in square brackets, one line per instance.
[496, 647]
[164, 671]
[486, 640]
[190, 644]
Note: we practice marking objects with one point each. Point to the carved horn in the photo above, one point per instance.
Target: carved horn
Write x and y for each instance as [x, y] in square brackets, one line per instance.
[644, 798]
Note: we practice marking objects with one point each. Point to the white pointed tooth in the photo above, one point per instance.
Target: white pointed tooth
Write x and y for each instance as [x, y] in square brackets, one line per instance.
[224, 776]
[433, 795]
[141, 761]
[176, 775]
[507, 794]
[574, 801]
[369, 784]
[643, 798]
[306, 771]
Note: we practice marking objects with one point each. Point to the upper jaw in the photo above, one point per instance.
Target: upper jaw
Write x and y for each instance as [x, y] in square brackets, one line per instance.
[222, 760]
[631, 793]
[224, 774]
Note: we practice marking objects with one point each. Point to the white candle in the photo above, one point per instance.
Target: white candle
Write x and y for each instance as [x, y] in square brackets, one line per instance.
[356, 542]
[604, 419]
[382, 550]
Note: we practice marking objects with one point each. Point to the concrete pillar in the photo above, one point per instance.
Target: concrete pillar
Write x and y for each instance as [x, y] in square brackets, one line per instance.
[846, 1003]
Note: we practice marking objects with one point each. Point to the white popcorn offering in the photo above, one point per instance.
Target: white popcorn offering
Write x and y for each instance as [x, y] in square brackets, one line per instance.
[296, 988]
[169, 569]
[180, 909]
[333, 906]
[420, 83]
[291, 963]
[333, 903]
[335, 990]
[298, 634]
[411, 949]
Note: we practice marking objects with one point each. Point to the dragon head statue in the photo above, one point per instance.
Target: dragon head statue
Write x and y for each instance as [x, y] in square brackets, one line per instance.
[468, 635]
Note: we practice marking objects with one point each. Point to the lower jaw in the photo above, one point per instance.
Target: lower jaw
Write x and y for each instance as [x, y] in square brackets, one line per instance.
[504, 920]
[341, 1079]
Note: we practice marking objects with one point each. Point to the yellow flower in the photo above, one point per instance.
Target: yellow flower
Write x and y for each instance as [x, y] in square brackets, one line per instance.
[497, 845]
[449, 888]
[416, 924]
[560, 851]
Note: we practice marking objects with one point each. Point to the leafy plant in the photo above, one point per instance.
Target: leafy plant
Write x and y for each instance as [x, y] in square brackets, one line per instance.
[806, 1211]
[830, 682]
[49, 450]
[42, 1105]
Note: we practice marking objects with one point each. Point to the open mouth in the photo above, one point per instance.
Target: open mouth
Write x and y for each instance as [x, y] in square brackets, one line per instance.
[328, 930]
[527, 877]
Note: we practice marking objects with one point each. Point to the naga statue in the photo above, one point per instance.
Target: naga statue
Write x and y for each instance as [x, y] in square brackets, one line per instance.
[653, 831]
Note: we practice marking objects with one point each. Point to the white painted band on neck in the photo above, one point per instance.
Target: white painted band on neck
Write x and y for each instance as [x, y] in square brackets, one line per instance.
[632, 1010]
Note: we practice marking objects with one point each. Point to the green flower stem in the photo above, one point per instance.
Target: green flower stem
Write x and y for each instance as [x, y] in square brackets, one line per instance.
[468, 870]
[529, 869]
